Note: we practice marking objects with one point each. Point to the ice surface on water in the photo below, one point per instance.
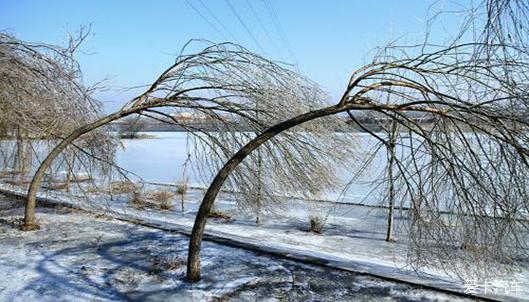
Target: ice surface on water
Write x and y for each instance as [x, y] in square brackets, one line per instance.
[161, 159]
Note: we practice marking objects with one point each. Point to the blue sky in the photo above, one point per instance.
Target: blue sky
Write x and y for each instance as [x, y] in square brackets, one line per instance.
[132, 41]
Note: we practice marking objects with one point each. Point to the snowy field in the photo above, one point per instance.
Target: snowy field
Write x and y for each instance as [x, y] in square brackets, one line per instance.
[77, 256]
[353, 237]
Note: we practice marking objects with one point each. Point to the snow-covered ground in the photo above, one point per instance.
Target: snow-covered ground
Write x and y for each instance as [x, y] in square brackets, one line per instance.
[77, 256]
[353, 238]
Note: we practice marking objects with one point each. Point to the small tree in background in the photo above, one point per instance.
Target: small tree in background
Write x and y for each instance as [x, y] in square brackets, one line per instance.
[130, 127]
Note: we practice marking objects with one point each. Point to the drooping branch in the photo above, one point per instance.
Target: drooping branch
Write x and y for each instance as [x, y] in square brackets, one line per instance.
[455, 172]
[43, 99]
[222, 83]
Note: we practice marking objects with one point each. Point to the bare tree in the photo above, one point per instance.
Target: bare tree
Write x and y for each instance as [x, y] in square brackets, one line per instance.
[42, 99]
[222, 83]
[464, 176]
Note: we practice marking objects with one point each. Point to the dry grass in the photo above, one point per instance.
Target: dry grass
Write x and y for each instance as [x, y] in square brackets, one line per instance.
[73, 178]
[163, 199]
[129, 277]
[181, 188]
[218, 214]
[137, 200]
[17, 182]
[159, 199]
[95, 189]
[7, 173]
[56, 186]
[81, 178]
[102, 216]
[166, 263]
[122, 187]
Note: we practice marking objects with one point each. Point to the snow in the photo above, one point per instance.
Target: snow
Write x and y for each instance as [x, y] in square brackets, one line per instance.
[353, 236]
[77, 256]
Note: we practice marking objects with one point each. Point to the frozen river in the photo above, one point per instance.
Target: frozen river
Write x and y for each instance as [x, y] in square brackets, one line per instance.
[161, 159]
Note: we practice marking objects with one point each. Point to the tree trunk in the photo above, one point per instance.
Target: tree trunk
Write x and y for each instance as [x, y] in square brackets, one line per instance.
[259, 176]
[193, 258]
[70, 163]
[182, 202]
[259, 188]
[391, 189]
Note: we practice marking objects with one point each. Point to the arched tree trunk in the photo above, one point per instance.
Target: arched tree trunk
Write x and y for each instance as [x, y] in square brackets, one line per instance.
[193, 258]
[29, 215]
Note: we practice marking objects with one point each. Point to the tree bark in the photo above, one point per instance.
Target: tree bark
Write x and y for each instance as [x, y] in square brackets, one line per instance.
[193, 258]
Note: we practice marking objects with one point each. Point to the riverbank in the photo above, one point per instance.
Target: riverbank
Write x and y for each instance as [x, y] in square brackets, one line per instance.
[79, 256]
[353, 238]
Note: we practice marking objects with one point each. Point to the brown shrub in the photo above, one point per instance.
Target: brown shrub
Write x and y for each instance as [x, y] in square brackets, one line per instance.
[316, 224]
[181, 188]
[137, 200]
[163, 199]
[218, 214]
[122, 187]
[168, 263]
